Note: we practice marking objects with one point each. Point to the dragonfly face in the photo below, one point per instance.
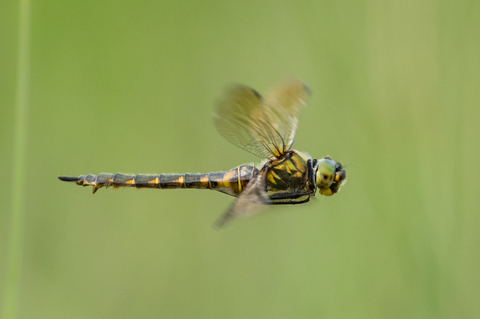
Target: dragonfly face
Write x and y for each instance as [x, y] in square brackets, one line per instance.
[264, 126]
[330, 176]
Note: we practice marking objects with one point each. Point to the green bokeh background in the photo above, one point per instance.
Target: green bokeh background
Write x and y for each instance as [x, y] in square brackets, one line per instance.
[130, 87]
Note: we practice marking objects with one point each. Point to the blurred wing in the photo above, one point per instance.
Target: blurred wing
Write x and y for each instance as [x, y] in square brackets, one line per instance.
[282, 104]
[263, 127]
[248, 203]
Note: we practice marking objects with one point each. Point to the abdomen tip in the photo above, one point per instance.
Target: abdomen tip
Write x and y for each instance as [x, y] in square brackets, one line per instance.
[68, 179]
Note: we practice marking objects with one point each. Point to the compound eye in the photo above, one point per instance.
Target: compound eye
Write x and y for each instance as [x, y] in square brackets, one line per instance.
[326, 166]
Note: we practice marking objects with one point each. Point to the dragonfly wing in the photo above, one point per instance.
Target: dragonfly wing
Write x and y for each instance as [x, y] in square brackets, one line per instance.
[263, 127]
[282, 104]
[249, 203]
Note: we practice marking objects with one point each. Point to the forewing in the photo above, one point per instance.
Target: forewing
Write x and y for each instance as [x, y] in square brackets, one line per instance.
[282, 104]
[263, 127]
[240, 119]
[249, 203]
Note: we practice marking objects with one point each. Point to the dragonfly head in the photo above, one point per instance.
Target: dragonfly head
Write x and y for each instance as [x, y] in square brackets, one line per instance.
[330, 176]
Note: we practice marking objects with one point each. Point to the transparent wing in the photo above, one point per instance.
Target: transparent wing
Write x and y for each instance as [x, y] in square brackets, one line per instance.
[249, 203]
[261, 126]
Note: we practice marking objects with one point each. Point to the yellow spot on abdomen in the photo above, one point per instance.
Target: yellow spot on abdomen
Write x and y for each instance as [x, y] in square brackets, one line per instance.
[204, 180]
[153, 181]
[227, 179]
[132, 181]
[180, 180]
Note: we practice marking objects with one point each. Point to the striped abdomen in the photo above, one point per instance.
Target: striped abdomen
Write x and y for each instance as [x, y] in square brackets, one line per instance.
[231, 182]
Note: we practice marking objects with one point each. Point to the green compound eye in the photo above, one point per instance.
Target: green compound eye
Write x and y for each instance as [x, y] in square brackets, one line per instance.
[325, 175]
[326, 166]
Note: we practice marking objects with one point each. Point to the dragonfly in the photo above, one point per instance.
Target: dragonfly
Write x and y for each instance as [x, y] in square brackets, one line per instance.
[264, 126]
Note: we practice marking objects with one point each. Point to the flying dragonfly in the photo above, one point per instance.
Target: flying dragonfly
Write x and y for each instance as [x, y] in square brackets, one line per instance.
[264, 126]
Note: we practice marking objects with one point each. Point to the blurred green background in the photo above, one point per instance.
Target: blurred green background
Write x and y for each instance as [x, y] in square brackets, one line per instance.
[129, 86]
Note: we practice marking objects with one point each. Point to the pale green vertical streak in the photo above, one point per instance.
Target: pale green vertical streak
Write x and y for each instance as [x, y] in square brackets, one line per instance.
[10, 297]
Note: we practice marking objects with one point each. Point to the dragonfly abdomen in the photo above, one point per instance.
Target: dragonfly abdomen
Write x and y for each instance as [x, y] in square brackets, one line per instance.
[231, 182]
